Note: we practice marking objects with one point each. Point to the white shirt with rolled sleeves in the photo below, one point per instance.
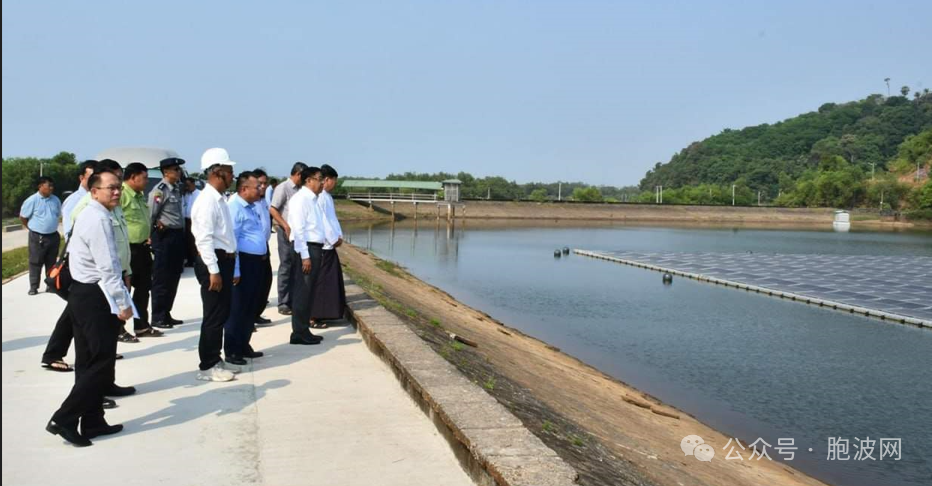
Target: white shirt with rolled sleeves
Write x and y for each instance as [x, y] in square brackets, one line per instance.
[332, 230]
[93, 256]
[212, 227]
[306, 221]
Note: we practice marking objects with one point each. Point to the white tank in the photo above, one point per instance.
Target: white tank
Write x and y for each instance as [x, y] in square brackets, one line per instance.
[842, 221]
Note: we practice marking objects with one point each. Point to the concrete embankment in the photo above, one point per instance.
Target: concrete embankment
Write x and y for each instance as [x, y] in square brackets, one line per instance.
[617, 212]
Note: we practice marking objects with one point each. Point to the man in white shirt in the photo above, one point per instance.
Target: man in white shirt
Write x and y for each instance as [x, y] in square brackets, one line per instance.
[330, 293]
[85, 169]
[212, 227]
[279, 209]
[307, 236]
[96, 290]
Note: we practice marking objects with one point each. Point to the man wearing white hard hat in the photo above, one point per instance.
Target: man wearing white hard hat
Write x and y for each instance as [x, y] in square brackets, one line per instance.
[212, 227]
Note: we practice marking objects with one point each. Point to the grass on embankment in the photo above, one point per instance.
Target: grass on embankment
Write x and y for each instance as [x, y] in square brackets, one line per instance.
[15, 261]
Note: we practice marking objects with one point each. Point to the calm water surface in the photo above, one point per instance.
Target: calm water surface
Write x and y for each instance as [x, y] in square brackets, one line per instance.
[749, 365]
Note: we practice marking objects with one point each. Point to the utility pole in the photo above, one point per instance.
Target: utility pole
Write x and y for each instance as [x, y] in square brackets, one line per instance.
[881, 200]
[872, 171]
[661, 194]
[489, 196]
[41, 164]
[560, 192]
[732, 194]
[758, 198]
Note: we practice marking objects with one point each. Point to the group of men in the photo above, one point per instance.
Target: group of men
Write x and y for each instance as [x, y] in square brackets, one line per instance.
[112, 234]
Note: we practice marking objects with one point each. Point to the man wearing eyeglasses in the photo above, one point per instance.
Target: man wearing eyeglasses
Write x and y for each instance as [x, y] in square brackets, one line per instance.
[166, 201]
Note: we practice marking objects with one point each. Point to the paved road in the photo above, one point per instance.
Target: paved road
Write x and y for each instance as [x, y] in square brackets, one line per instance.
[331, 414]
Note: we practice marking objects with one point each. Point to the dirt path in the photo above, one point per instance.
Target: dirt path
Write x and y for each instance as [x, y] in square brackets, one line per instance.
[610, 432]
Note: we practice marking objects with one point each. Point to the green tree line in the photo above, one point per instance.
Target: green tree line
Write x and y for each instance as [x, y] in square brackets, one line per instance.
[844, 155]
[21, 173]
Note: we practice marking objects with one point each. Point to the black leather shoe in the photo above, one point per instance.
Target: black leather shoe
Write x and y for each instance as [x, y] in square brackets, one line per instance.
[35, 292]
[306, 341]
[68, 433]
[163, 325]
[253, 354]
[91, 432]
[175, 322]
[120, 391]
[109, 403]
[285, 311]
[236, 360]
[263, 320]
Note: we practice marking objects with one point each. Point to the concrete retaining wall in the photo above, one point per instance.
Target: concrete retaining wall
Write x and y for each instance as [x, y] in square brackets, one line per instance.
[491, 443]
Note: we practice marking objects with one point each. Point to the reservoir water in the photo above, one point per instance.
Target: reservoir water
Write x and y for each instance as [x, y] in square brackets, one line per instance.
[750, 365]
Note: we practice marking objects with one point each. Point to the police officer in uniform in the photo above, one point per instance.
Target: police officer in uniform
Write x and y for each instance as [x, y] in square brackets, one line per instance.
[166, 203]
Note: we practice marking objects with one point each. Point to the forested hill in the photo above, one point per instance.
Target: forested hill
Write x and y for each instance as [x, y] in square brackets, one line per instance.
[861, 132]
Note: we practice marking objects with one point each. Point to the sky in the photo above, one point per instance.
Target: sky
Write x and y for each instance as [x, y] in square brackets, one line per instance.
[592, 91]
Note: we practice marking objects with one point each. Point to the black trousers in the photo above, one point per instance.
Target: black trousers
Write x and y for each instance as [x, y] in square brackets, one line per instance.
[43, 251]
[190, 253]
[216, 309]
[237, 329]
[303, 292]
[169, 248]
[141, 280]
[61, 337]
[286, 257]
[265, 284]
[95, 341]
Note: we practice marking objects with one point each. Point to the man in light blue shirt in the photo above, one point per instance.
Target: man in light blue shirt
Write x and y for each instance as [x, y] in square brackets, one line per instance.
[265, 281]
[40, 213]
[251, 245]
[84, 172]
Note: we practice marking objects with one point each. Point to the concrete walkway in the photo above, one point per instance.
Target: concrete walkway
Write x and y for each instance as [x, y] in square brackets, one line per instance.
[322, 415]
[15, 239]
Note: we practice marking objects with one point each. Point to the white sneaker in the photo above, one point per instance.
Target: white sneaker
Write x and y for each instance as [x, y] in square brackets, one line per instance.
[217, 373]
[230, 367]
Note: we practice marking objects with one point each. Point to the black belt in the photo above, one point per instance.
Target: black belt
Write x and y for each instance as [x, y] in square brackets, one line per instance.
[225, 254]
[44, 234]
[250, 256]
[311, 243]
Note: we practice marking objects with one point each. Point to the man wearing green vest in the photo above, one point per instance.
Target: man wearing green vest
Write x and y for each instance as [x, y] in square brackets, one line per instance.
[136, 212]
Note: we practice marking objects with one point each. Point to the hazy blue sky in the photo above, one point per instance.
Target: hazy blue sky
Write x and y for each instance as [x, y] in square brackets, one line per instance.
[535, 90]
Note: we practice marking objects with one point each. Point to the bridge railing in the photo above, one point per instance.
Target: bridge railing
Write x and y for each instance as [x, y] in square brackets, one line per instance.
[391, 197]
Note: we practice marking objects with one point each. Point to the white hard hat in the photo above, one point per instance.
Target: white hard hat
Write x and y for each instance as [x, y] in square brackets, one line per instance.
[215, 155]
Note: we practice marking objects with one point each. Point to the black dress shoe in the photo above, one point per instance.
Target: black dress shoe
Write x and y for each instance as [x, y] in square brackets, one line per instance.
[163, 325]
[175, 322]
[285, 311]
[253, 354]
[35, 292]
[109, 403]
[91, 432]
[305, 340]
[263, 320]
[68, 433]
[236, 360]
[120, 391]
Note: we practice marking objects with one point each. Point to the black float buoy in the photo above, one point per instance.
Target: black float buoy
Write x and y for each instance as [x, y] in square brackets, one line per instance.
[566, 250]
[667, 279]
[557, 253]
